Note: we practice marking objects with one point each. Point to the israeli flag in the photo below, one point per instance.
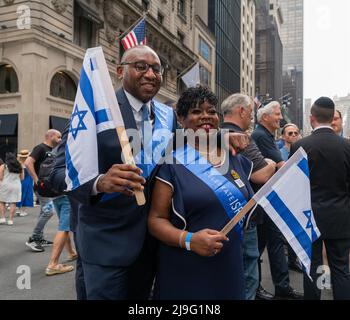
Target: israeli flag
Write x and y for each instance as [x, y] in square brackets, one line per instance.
[286, 198]
[95, 110]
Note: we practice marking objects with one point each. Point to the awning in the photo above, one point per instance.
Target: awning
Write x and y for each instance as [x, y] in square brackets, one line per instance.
[58, 123]
[8, 124]
[83, 10]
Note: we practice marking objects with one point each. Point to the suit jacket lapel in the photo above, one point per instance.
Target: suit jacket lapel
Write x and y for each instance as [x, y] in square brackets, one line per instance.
[126, 110]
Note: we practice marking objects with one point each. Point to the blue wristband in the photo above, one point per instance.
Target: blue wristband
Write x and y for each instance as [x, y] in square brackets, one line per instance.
[188, 241]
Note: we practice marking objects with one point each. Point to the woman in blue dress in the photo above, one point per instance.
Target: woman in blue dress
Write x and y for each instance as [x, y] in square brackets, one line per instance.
[195, 260]
[27, 187]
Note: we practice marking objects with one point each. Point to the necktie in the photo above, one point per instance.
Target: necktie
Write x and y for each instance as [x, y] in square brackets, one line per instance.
[146, 126]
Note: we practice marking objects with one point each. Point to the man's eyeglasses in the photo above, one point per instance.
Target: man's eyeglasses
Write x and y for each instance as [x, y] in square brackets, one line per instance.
[293, 133]
[143, 67]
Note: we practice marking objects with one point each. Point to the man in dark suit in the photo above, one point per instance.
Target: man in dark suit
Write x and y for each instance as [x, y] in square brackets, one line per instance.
[116, 253]
[329, 164]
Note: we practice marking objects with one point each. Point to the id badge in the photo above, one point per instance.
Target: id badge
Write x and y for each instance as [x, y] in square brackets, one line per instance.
[237, 179]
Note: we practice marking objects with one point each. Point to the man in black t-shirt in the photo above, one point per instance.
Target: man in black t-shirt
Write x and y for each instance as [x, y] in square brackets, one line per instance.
[32, 163]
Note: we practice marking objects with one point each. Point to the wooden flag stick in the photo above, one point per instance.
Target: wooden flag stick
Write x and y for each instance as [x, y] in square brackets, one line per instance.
[129, 159]
[238, 217]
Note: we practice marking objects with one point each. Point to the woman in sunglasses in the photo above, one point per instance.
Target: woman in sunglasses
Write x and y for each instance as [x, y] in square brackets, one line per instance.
[290, 134]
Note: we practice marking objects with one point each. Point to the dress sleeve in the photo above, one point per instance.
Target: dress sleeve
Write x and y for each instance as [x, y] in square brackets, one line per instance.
[167, 174]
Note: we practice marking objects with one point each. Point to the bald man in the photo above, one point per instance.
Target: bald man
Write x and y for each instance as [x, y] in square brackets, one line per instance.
[36, 241]
[111, 229]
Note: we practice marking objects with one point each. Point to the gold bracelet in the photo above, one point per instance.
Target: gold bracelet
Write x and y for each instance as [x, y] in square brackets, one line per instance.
[180, 239]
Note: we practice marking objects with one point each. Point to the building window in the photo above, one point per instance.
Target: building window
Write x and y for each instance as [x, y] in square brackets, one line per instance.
[204, 49]
[181, 8]
[63, 86]
[205, 76]
[181, 36]
[8, 79]
[145, 5]
[86, 26]
[160, 18]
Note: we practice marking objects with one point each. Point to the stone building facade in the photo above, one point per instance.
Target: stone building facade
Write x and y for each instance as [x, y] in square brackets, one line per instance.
[42, 45]
[248, 47]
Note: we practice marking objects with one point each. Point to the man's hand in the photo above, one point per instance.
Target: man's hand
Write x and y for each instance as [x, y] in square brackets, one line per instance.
[122, 178]
[237, 142]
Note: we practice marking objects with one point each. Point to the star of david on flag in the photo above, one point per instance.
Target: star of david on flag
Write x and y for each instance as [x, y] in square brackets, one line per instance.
[76, 127]
[286, 198]
[91, 115]
[136, 37]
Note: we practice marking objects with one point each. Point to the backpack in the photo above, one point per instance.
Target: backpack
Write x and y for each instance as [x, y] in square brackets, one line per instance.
[44, 187]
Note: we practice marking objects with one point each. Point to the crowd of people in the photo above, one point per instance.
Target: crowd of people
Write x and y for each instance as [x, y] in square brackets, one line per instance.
[20, 178]
[172, 247]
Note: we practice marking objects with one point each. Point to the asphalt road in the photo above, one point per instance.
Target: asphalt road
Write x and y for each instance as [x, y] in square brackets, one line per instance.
[15, 256]
[17, 261]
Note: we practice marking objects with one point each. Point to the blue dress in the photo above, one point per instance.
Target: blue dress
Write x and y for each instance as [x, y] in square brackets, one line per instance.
[183, 274]
[27, 191]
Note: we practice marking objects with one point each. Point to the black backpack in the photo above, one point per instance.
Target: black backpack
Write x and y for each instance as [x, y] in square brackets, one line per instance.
[44, 187]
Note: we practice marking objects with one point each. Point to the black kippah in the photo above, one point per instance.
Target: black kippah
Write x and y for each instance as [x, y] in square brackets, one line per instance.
[325, 102]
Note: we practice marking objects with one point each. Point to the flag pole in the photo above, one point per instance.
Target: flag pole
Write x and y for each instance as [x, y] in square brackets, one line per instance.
[118, 120]
[238, 217]
[132, 26]
[187, 69]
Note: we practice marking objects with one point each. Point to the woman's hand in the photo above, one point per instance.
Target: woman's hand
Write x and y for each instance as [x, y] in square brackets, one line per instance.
[207, 242]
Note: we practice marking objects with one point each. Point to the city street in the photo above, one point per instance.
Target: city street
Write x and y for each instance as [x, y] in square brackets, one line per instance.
[14, 253]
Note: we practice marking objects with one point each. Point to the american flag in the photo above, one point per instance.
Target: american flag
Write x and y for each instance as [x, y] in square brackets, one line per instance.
[257, 102]
[136, 37]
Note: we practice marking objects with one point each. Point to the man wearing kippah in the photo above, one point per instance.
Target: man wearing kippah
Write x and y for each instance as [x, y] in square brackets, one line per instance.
[329, 163]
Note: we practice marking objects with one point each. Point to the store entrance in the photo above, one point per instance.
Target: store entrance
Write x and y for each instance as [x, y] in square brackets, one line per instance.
[8, 134]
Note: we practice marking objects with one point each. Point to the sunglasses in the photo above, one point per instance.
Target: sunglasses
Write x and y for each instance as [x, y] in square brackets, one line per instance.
[293, 133]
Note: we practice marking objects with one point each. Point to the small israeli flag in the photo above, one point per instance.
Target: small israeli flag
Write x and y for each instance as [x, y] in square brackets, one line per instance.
[91, 115]
[286, 198]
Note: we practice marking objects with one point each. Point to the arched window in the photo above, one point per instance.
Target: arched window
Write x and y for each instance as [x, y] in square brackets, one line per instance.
[63, 86]
[8, 79]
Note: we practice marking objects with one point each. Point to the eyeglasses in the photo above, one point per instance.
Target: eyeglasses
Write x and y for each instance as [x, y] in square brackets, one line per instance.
[143, 67]
[293, 133]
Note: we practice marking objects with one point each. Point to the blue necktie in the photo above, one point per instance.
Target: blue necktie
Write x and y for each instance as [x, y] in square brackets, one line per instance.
[145, 113]
[145, 122]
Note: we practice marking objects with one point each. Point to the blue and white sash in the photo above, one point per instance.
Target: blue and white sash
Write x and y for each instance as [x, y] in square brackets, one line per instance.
[154, 150]
[230, 197]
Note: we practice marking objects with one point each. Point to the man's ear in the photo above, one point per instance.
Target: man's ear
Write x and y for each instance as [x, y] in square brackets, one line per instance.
[241, 111]
[120, 72]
